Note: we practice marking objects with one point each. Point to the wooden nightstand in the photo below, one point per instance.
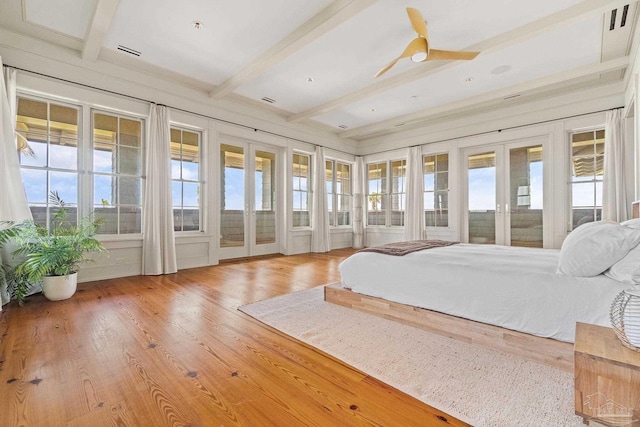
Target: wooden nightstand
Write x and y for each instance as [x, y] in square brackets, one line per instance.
[606, 378]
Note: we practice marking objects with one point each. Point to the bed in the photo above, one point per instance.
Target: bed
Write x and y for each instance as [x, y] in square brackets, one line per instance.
[509, 298]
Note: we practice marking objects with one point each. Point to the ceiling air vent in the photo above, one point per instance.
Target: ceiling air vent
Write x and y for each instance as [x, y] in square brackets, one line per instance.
[269, 100]
[623, 18]
[511, 96]
[128, 50]
[343, 126]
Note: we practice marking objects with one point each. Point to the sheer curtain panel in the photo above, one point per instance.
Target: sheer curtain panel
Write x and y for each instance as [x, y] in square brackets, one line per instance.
[614, 194]
[359, 211]
[320, 238]
[13, 202]
[414, 219]
[158, 244]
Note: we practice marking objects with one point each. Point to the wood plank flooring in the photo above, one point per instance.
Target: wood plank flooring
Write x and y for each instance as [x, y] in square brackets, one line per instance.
[174, 351]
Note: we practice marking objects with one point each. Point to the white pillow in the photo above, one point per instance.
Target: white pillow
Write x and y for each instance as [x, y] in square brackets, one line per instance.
[592, 248]
[632, 223]
[627, 270]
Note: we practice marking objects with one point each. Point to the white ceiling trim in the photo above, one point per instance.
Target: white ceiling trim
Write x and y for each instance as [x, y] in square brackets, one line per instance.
[580, 72]
[517, 35]
[329, 18]
[98, 28]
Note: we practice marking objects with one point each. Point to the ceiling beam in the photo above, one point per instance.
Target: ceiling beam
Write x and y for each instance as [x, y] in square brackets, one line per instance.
[590, 70]
[98, 28]
[329, 18]
[517, 35]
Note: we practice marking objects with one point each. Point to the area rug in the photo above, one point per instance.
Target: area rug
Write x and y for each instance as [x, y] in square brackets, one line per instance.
[472, 383]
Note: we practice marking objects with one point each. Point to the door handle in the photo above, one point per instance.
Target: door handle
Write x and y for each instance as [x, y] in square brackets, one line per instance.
[506, 209]
[498, 209]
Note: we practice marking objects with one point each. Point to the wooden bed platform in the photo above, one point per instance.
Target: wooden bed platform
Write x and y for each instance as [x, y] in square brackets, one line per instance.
[542, 350]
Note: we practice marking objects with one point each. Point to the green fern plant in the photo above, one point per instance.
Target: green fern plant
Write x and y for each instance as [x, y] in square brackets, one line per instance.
[57, 251]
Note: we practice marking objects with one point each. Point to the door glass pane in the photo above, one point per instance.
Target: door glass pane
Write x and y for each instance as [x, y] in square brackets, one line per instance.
[525, 196]
[265, 197]
[482, 198]
[232, 197]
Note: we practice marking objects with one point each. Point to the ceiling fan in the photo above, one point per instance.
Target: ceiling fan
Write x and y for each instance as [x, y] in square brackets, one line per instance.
[418, 49]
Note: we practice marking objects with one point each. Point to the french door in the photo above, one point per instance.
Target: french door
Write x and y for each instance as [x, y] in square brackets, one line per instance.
[248, 200]
[504, 194]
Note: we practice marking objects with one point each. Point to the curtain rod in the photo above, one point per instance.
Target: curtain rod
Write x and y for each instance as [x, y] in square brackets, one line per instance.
[173, 108]
[296, 139]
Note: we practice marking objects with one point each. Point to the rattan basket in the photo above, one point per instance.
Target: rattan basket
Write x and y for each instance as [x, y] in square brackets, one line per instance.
[625, 318]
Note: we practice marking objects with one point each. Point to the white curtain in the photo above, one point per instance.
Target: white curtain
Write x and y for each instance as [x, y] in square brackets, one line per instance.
[158, 245]
[359, 212]
[414, 215]
[320, 239]
[614, 194]
[13, 202]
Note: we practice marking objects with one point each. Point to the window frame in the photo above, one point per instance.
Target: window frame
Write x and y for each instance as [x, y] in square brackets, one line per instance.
[307, 192]
[597, 178]
[91, 170]
[79, 171]
[334, 195]
[200, 181]
[435, 190]
[386, 196]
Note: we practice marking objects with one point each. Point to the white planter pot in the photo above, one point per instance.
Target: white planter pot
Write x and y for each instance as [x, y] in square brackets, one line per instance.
[56, 288]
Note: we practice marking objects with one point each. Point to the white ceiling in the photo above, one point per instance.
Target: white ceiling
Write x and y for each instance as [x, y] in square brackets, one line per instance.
[255, 49]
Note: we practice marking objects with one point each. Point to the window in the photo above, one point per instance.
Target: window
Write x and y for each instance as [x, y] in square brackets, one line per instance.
[117, 172]
[339, 193]
[587, 173]
[386, 181]
[301, 190]
[376, 189]
[50, 130]
[185, 179]
[398, 191]
[436, 190]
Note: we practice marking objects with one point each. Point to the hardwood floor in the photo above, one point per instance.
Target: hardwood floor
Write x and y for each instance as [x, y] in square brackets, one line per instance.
[174, 351]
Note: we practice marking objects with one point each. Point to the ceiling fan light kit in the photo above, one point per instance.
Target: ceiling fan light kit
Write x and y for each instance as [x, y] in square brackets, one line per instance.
[418, 49]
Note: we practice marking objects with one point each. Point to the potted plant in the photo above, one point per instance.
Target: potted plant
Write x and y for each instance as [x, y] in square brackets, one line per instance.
[49, 256]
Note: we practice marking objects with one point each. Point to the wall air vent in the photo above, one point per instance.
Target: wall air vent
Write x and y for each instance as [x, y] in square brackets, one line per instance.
[269, 100]
[343, 126]
[511, 96]
[129, 50]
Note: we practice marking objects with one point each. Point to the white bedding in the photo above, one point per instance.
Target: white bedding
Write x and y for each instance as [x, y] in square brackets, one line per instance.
[515, 288]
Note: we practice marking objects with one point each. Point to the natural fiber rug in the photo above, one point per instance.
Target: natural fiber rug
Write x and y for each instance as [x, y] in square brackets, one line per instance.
[477, 385]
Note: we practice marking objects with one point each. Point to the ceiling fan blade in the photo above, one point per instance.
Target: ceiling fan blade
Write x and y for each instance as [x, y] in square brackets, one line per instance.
[450, 55]
[417, 21]
[419, 44]
[387, 68]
